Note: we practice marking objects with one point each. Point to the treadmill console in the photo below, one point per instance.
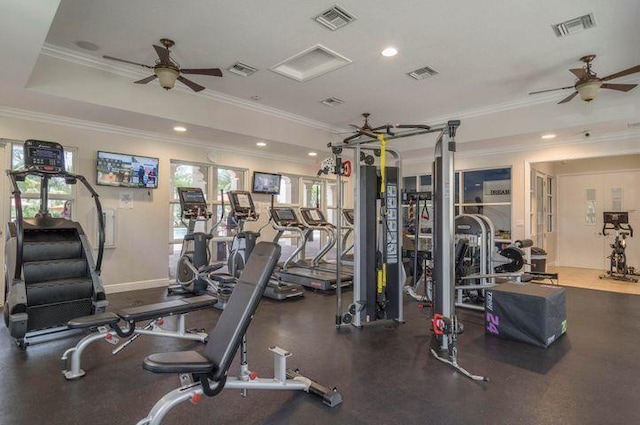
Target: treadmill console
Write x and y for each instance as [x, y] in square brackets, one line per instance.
[313, 217]
[193, 203]
[47, 157]
[348, 216]
[242, 206]
[285, 217]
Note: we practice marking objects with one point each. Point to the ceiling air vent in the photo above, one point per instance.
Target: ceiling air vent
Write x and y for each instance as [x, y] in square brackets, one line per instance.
[241, 69]
[575, 25]
[335, 18]
[332, 101]
[422, 73]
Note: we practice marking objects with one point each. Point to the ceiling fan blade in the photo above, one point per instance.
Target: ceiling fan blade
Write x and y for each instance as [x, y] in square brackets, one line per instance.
[163, 54]
[365, 131]
[568, 98]
[146, 80]
[193, 86]
[620, 87]
[579, 72]
[126, 61]
[545, 91]
[215, 72]
[631, 70]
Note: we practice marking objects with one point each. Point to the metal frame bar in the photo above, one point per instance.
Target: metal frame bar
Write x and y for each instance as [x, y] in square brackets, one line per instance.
[72, 358]
[283, 379]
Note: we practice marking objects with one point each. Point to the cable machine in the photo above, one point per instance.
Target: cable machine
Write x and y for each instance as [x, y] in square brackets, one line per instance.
[445, 323]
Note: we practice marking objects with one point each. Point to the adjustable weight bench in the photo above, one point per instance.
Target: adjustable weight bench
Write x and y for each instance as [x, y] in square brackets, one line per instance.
[207, 373]
[109, 328]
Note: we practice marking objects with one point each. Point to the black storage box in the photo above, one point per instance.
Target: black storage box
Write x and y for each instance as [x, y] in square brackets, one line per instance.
[531, 313]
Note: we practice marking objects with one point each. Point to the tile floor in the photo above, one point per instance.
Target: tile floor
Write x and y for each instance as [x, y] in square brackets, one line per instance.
[590, 279]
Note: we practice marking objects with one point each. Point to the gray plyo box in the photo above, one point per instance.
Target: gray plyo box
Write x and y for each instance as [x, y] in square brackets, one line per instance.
[531, 313]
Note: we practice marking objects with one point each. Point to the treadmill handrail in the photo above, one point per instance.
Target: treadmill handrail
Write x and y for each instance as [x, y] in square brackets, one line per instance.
[323, 225]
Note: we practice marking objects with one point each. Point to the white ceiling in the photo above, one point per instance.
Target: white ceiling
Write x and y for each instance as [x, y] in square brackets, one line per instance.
[489, 55]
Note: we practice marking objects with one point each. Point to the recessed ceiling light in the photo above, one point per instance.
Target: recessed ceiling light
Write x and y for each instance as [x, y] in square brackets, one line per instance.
[389, 51]
[180, 129]
[548, 136]
[313, 154]
[261, 144]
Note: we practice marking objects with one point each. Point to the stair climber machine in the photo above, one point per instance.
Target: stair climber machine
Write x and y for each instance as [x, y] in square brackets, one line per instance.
[243, 210]
[50, 273]
[314, 219]
[284, 219]
[194, 274]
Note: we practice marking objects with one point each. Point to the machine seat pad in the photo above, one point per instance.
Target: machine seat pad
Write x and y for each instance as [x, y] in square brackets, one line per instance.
[178, 362]
[167, 308]
[103, 319]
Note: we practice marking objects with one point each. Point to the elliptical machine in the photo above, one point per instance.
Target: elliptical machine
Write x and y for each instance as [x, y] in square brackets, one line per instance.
[193, 269]
[243, 210]
[618, 267]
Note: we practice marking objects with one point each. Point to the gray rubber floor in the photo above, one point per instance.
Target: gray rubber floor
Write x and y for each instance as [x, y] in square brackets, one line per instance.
[385, 374]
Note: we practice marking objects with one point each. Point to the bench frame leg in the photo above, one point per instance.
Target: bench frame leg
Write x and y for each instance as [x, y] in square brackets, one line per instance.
[283, 379]
[72, 358]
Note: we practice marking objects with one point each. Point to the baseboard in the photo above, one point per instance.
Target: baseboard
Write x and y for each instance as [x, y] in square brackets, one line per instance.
[135, 286]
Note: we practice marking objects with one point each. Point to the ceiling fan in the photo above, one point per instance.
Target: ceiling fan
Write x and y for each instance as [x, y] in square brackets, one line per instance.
[167, 70]
[588, 82]
[368, 130]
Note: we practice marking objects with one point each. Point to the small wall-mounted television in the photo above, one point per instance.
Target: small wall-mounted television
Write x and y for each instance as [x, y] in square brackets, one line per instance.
[125, 170]
[267, 183]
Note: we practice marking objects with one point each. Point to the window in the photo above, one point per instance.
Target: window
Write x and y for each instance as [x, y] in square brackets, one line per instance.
[590, 216]
[550, 208]
[229, 179]
[60, 193]
[487, 192]
[289, 190]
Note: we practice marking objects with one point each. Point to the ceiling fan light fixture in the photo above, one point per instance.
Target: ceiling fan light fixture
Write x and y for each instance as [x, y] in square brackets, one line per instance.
[167, 77]
[589, 90]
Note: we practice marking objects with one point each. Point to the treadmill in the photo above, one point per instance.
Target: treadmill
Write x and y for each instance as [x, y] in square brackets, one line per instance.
[285, 219]
[315, 220]
[242, 211]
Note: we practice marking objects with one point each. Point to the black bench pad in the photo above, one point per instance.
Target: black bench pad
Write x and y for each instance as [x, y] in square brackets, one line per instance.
[178, 362]
[167, 308]
[103, 319]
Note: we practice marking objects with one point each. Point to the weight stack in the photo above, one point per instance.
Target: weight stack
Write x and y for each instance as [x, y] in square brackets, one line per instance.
[530, 313]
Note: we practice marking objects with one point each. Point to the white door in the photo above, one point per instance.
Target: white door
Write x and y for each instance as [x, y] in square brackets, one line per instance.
[538, 210]
[580, 203]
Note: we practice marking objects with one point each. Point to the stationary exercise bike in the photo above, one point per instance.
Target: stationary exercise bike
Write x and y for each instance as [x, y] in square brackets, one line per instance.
[193, 269]
[618, 268]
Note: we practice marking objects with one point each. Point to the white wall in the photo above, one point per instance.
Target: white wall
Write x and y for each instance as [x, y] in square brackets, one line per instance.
[520, 162]
[141, 257]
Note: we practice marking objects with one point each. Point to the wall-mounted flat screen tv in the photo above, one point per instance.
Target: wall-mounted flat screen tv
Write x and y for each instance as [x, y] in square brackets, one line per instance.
[125, 170]
[267, 183]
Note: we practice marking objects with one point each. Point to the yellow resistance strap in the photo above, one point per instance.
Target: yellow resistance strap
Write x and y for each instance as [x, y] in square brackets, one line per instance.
[383, 161]
[382, 274]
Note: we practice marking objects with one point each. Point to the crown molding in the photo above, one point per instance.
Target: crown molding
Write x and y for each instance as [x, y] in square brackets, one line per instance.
[130, 71]
[575, 141]
[149, 135]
